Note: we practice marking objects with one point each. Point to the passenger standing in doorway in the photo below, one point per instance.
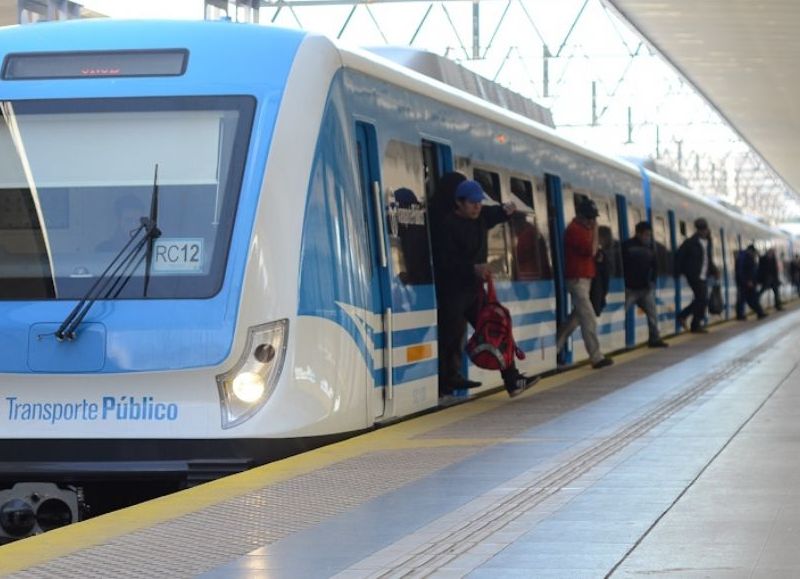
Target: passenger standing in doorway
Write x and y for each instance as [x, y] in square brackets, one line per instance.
[746, 283]
[769, 276]
[640, 267]
[460, 269]
[580, 249]
[694, 261]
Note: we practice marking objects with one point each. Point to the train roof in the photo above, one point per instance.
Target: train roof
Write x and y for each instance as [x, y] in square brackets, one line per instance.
[380, 67]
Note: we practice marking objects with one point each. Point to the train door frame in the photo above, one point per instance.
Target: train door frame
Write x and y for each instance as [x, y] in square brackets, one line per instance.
[369, 167]
[437, 155]
[624, 235]
[556, 226]
[724, 247]
[442, 161]
[673, 238]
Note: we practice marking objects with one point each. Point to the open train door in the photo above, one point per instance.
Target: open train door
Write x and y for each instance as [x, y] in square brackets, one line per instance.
[555, 220]
[379, 326]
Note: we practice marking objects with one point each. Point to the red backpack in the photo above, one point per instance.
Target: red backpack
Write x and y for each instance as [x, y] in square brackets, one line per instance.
[492, 345]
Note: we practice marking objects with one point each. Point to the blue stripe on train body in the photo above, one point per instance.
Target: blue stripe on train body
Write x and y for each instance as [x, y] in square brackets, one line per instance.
[200, 332]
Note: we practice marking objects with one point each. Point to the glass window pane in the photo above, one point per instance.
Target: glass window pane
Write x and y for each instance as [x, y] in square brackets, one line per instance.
[406, 213]
[77, 177]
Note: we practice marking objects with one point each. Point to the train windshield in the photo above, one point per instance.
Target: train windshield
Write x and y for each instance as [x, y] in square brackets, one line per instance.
[77, 177]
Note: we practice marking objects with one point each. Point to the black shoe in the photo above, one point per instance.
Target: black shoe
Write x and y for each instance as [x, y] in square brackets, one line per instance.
[684, 323]
[467, 384]
[603, 363]
[519, 384]
[741, 318]
[699, 331]
[658, 344]
[762, 316]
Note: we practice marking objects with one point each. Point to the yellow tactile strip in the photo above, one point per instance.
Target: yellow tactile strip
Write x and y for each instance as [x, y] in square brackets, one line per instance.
[151, 524]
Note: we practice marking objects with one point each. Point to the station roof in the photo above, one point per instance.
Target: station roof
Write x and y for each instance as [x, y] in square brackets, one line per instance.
[741, 54]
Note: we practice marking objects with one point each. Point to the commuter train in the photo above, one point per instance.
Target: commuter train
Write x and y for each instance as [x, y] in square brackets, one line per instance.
[214, 249]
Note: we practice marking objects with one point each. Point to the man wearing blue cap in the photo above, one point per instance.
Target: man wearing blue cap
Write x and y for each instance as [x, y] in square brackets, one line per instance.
[461, 268]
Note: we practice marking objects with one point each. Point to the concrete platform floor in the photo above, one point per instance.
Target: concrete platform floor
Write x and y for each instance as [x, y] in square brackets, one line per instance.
[674, 463]
[691, 471]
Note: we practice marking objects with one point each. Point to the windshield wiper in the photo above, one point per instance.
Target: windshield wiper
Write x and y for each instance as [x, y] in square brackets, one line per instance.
[119, 270]
[154, 224]
[151, 226]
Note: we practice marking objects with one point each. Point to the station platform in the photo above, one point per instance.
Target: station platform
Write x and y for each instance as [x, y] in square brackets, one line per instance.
[672, 463]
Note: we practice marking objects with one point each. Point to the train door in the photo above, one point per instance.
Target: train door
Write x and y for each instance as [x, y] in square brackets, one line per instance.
[665, 281]
[556, 226]
[532, 294]
[410, 171]
[724, 271]
[379, 328]
[625, 215]
[611, 324]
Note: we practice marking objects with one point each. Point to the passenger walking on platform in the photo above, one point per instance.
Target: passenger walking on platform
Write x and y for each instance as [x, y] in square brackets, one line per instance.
[695, 262]
[580, 248]
[640, 269]
[769, 276]
[746, 282]
[460, 269]
[794, 272]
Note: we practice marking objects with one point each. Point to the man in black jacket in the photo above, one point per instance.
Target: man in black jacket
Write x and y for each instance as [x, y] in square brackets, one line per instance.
[640, 267]
[460, 268]
[746, 271]
[694, 261]
[769, 276]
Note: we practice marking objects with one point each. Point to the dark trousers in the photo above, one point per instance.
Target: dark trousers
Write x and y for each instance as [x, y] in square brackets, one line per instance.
[747, 296]
[455, 310]
[776, 291]
[696, 309]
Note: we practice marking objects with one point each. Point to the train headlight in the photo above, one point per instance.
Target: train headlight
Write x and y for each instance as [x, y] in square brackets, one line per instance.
[246, 387]
[17, 518]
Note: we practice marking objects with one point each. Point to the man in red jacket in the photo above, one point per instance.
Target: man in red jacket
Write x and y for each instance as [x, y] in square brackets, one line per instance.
[580, 249]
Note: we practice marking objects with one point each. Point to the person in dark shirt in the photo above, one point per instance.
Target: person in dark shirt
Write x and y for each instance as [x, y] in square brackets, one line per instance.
[640, 267]
[460, 269]
[746, 271]
[695, 262]
[794, 272]
[769, 276]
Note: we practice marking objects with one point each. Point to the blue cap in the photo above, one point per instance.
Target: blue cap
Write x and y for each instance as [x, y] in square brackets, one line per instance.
[470, 191]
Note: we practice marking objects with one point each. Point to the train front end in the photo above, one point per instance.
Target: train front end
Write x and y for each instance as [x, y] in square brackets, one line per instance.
[132, 160]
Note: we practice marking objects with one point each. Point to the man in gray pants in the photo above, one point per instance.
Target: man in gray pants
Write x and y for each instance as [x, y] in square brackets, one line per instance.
[639, 263]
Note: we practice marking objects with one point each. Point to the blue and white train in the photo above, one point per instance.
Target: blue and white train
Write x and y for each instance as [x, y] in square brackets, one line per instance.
[214, 249]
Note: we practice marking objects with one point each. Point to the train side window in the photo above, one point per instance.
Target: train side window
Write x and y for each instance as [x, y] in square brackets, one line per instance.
[682, 228]
[523, 190]
[634, 217]
[498, 254]
[608, 237]
[431, 164]
[577, 198]
[716, 247]
[531, 259]
[490, 183]
[406, 215]
[661, 239]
